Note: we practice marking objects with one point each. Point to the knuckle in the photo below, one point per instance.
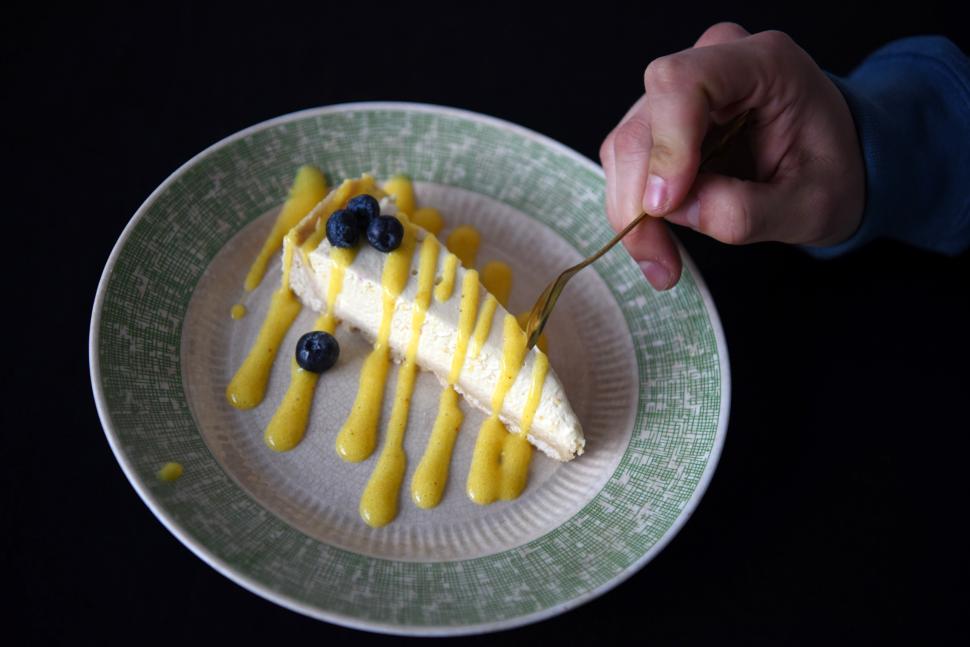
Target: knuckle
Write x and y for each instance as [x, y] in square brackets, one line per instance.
[781, 50]
[724, 31]
[778, 46]
[662, 154]
[631, 138]
[775, 40]
[666, 73]
[671, 156]
[737, 232]
[733, 223]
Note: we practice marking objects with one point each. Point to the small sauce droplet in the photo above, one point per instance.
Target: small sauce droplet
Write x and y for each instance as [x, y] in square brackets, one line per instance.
[238, 311]
[463, 243]
[170, 472]
[428, 218]
[497, 279]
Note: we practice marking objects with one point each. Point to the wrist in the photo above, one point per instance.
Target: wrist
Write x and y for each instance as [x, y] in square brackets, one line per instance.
[857, 226]
[909, 102]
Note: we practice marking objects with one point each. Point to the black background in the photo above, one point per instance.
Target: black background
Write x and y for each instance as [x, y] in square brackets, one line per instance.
[836, 514]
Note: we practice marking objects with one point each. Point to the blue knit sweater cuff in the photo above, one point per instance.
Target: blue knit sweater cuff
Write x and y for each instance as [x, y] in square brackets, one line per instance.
[911, 105]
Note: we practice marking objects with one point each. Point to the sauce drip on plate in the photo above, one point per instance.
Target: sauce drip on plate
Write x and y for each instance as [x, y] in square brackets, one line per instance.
[378, 505]
[358, 436]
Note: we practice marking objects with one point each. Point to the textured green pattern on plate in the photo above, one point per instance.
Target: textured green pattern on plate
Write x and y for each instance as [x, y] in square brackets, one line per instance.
[674, 444]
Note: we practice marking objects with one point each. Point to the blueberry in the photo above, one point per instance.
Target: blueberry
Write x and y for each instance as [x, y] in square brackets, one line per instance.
[366, 208]
[342, 229]
[385, 233]
[317, 351]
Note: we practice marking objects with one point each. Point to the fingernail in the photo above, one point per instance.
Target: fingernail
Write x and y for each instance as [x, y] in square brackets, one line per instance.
[694, 214]
[656, 194]
[656, 273]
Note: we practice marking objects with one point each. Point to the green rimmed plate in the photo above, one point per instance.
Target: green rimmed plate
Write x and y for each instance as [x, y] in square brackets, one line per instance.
[647, 374]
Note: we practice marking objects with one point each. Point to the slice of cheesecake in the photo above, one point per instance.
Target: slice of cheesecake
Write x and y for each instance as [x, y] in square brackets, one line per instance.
[554, 428]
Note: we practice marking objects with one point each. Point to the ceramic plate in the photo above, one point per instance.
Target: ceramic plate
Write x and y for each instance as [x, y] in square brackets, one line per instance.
[646, 373]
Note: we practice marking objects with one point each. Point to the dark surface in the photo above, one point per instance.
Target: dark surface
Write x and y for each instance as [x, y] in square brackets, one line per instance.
[836, 513]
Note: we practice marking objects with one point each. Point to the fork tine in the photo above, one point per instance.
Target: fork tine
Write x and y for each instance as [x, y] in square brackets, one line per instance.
[536, 321]
[543, 308]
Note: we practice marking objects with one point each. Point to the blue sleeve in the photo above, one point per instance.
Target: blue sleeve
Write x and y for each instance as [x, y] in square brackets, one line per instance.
[911, 104]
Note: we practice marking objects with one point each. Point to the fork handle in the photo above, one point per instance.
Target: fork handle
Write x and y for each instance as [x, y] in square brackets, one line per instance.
[613, 241]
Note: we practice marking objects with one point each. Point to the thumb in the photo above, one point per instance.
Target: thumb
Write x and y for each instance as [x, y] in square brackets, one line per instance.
[738, 212]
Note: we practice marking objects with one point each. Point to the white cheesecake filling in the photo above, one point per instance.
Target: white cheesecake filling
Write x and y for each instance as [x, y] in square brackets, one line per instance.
[555, 429]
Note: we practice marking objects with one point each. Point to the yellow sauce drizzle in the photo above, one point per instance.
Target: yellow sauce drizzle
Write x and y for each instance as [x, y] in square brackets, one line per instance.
[447, 285]
[539, 371]
[497, 279]
[484, 325]
[248, 386]
[358, 437]
[378, 504]
[428, 482]
[513, 352]
[288, 425]
[466, 319]
[463, 243]
[429, 218]
[309, 188]
[170, 472]
[238, 311]
[494, 475]
[402, 189]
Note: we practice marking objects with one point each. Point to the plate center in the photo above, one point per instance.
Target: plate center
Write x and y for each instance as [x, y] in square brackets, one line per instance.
[312, 489]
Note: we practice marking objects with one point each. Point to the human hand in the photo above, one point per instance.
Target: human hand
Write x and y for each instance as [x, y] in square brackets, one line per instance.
[806, 181]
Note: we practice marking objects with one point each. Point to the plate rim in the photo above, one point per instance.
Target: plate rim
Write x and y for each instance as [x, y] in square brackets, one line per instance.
[299, 606]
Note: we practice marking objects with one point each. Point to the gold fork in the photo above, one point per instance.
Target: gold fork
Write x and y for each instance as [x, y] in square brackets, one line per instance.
[713, 144]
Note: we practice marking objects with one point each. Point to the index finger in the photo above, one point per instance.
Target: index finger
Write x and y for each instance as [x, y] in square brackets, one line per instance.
[682, 90]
